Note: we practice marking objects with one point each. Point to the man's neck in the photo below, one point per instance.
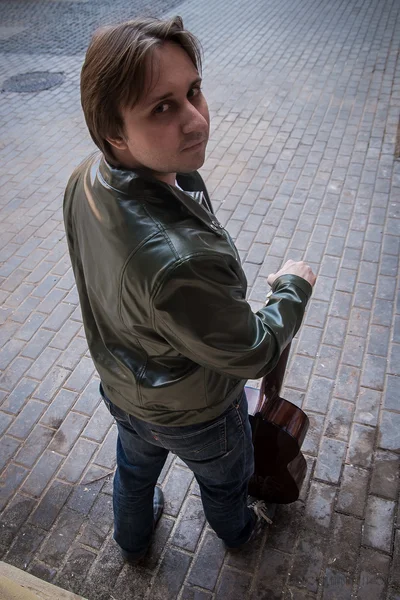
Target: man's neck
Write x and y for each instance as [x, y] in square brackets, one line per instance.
[169, 178]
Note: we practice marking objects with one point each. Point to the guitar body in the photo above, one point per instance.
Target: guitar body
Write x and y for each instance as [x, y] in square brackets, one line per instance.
[279, 428]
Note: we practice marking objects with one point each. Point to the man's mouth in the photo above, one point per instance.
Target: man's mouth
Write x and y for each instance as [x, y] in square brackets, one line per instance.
[194, 145]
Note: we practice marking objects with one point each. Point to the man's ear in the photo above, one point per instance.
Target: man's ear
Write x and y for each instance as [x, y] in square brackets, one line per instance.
[118, 142]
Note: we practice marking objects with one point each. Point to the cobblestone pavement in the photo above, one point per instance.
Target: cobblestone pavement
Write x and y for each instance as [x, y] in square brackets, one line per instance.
[305, 102]
[64, 26]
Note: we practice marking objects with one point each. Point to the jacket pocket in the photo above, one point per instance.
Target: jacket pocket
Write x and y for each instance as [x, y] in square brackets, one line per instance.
[205, 443]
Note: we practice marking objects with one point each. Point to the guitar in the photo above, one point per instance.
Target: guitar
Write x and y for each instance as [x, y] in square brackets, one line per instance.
[279, 428]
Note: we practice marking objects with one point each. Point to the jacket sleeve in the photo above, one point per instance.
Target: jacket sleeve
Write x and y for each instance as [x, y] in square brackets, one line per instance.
[201, 310]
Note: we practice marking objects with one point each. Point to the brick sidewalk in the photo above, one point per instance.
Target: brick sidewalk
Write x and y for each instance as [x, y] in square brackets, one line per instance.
[305, 103]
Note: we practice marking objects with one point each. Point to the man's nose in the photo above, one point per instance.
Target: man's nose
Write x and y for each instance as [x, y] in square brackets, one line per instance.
[193, 120]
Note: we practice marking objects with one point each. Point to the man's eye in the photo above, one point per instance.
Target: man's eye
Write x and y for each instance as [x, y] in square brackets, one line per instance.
[161, 108]
[195, 91]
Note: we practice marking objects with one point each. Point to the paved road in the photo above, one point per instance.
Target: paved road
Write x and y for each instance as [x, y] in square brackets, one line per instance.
[305, 103]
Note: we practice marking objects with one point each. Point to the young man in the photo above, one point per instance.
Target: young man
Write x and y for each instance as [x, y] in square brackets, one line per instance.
[161, 288]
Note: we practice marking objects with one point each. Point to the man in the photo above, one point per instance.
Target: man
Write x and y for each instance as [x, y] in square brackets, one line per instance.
[161, 288]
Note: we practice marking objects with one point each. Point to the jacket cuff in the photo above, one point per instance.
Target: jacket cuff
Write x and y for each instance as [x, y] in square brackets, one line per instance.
[299, 282]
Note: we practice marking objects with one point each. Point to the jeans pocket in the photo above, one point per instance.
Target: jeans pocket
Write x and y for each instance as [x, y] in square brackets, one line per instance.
[200, 444]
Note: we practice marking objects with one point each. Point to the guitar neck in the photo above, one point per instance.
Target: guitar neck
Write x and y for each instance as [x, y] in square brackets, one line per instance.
[271, 384]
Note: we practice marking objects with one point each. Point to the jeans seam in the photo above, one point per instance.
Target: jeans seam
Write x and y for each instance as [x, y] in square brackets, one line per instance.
[220, 427]
[245, 462]
[190, 434]
[238, 415]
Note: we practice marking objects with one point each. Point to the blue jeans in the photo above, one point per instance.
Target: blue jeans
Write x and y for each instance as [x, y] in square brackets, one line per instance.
[220, 454]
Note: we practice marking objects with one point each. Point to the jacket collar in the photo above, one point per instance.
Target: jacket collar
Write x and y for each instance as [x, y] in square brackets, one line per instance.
[121, 180]
[141, 181]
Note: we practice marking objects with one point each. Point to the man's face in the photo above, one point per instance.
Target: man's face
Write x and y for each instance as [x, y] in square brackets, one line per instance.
[161, 129]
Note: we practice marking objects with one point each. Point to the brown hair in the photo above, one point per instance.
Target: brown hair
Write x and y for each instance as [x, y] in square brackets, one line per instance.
[115, 69]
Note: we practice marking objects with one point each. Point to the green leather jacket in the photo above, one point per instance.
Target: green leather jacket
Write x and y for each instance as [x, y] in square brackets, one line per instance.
[163, 296]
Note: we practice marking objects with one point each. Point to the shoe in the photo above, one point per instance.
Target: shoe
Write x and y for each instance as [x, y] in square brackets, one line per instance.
[264, 513]
[158, 506]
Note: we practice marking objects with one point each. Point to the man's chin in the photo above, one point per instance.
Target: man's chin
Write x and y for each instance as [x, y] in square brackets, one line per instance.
[193, 165]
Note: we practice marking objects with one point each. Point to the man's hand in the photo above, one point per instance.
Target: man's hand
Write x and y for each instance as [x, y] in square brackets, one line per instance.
[301, 269]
